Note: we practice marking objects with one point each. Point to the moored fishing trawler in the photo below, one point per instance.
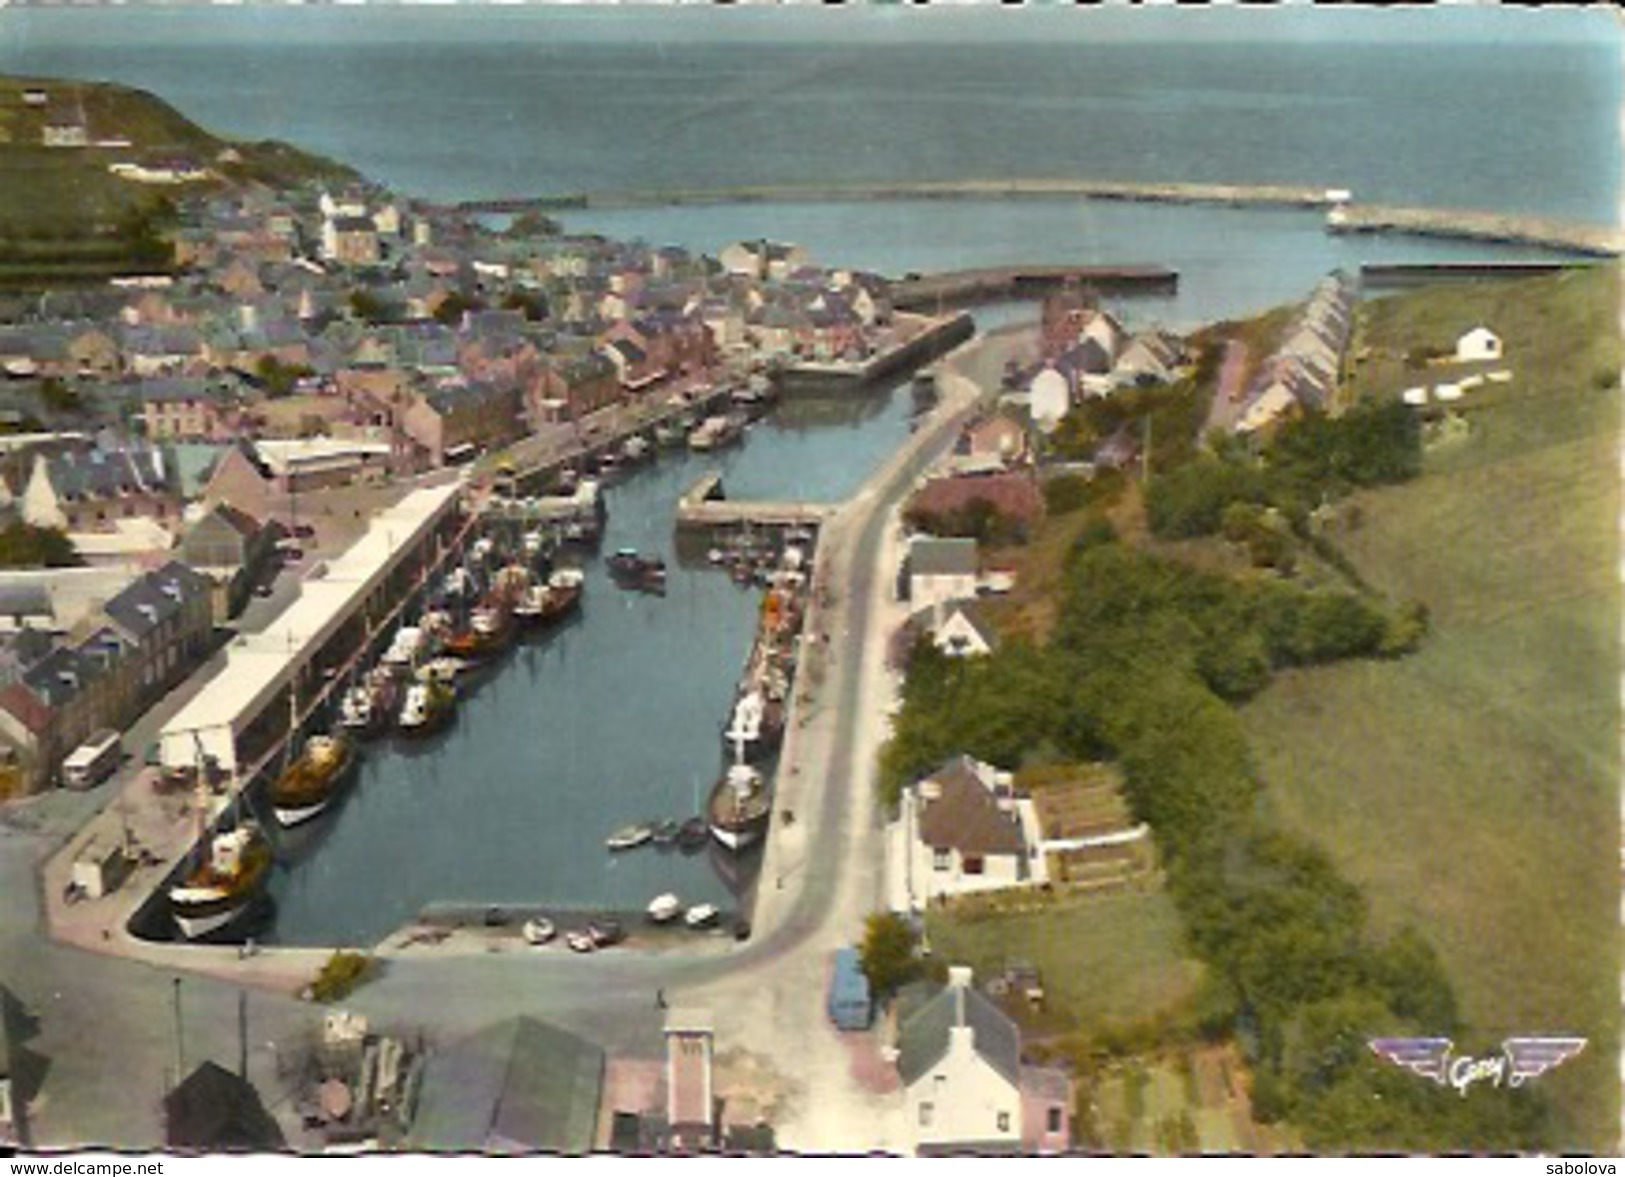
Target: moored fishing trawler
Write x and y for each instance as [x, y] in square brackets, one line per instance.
[224, 883]
[489, 633]
[755, 725]
[427, 709]
[366, 708]
[739, 807]
[544, 603]
[309, 785]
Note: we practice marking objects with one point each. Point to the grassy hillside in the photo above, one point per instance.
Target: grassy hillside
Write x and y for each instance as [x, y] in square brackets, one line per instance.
[62, 210]
[1472, 789]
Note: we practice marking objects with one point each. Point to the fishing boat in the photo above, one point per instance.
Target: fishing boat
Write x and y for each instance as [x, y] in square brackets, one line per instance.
[666, 833]
[755, 726]
[366, 708]
[357, 715]
[308, 786]
[443, 670]
[632, 570]
[635, 449]
[532, 544]
[739, 807]
[409, 641]
[224, 883]
[701, 916]
[428, 708]
[693, 835]
[665, 908]
[544, 603]
[538, 931]
[630, 837]
[489, 633]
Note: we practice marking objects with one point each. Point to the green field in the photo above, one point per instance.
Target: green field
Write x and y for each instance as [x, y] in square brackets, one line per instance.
[60, 206]
[1105, 960]
[1472, 789]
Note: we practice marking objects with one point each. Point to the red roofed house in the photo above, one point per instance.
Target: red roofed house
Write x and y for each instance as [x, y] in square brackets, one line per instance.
[1013, 497]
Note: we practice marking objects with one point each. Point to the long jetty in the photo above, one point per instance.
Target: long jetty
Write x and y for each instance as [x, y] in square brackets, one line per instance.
[997, 283]
[1470, 224]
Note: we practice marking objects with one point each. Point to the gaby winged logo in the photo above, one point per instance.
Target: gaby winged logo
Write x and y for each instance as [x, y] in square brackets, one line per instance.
[1520, 1060]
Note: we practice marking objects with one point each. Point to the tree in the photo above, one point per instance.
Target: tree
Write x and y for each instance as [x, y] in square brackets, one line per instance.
[887, 954]
[25, 546]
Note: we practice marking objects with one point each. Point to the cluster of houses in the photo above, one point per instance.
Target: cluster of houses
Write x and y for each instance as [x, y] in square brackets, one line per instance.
[1303, 371]
[1086, 352]
[60, 686]
[420, 330]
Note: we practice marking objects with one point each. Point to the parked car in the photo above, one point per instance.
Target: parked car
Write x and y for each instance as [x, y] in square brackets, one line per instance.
[304, 531]
[606, 932]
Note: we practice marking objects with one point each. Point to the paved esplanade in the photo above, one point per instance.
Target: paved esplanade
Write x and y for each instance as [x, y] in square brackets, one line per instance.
[821, 875]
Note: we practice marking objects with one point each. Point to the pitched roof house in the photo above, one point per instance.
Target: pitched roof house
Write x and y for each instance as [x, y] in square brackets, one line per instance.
[965, 1088]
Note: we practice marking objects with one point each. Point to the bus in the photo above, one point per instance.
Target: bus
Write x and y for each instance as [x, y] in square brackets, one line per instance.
[91, 762]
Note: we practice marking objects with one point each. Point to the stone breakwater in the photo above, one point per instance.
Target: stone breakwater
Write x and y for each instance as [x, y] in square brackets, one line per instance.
[1343, 216]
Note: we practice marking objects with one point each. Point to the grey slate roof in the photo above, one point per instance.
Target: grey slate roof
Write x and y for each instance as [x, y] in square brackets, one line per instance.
[215, 1111]
[519, 1084]
[155, 597]
[942, 557]
[923, 1040]
[104, 474]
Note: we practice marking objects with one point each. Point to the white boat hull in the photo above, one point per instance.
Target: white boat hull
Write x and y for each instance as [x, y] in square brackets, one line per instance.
[288, 816]
[194, 927]
[736, 839]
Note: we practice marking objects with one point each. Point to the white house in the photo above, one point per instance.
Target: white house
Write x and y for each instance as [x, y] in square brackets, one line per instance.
[964, 1085]
[959, 1058]
[962, 829]
[1478, 344]
[941, 570]
[960, 631]
[1051, 398]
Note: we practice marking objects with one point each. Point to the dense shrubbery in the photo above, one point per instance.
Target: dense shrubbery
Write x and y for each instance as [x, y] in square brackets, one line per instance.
[1143, 657]
[1311, 460]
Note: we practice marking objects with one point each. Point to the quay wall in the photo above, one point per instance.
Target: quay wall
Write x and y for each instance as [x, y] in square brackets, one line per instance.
[959, 287]
[1421, 273]
[941, 336]
[1471, 225]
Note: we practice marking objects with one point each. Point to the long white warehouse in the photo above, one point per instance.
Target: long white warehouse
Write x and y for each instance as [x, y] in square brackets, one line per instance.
[260, 666]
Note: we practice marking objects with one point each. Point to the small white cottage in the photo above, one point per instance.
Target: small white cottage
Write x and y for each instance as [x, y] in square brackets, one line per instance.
[1478, 344]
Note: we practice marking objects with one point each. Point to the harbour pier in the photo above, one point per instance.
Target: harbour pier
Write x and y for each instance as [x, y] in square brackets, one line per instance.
[704, 508]
[1000, 283]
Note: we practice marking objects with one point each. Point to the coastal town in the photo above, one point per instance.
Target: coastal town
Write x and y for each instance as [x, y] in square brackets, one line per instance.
[290, 511]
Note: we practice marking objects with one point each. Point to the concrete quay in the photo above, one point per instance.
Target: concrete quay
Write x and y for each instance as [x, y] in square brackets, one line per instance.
[931, 338]
[996, 283]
